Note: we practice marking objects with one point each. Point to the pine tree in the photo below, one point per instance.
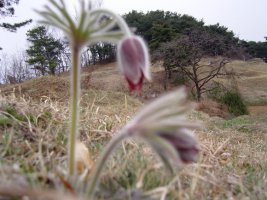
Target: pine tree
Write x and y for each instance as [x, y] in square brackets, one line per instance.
[44, 52]
[7, 9]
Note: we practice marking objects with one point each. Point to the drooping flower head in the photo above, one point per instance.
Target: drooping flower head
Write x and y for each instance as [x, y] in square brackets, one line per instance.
[134, 61]
[164, 125]
[92, 26]
[184, 143]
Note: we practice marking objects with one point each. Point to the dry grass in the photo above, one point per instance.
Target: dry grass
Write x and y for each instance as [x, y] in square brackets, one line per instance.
[34, 128]
[34, 134]
[213, 108]
[252, 82]
[233, 163]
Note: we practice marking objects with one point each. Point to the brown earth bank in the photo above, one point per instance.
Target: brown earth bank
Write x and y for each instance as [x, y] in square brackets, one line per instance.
[257, 110]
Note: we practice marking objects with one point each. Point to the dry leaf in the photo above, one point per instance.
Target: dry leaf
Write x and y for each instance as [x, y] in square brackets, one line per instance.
[83, 158]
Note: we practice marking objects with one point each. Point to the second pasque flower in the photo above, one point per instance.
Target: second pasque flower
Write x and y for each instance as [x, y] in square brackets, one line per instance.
[134, 61]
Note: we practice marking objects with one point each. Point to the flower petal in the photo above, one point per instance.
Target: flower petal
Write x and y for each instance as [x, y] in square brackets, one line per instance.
[133, 61]
[135, 86]
[185, 144]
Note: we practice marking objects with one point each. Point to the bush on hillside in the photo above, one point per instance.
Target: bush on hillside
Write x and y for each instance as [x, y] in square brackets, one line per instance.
[229, 97]
[235, 103]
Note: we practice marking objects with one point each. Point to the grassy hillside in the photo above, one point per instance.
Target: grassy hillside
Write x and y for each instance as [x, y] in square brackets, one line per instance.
[34, 128]
[252, 80]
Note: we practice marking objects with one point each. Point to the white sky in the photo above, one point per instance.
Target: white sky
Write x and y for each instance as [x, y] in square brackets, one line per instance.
[246, 18]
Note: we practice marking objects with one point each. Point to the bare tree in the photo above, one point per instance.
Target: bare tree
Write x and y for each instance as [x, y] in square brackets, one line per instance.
[11, 79]
[14, 69]
[19, 68]
[3, 68]
[185, 55]
[85, 58]
[64, 59]
[201, 74]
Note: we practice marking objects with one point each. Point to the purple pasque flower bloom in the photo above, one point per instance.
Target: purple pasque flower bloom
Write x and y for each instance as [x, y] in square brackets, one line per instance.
[133, 59]
[164, 125]
[184, 143]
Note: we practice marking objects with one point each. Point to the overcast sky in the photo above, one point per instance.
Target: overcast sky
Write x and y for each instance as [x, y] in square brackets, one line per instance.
[246, 18]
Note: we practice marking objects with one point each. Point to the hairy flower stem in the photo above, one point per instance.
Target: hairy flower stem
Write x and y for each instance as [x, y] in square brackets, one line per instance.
[111, 146]
[75, 94]
[120, 21]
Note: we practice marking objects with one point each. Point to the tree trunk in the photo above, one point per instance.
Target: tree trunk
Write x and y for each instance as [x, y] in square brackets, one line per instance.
[198, 93]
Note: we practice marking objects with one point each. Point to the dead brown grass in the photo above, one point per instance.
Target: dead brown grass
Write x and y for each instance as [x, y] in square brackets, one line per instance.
[252, 80]
[233, 161]
[213, 108]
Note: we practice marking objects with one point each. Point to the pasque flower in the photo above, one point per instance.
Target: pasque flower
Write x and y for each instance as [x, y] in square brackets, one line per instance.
[184, 142]
[93, 26]
[164, 125]
[134, 61]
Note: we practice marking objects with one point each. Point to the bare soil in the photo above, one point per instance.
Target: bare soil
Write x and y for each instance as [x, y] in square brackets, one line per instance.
[257, 110]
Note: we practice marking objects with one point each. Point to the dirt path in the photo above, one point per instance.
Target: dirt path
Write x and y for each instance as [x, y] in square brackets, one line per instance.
[256, 110]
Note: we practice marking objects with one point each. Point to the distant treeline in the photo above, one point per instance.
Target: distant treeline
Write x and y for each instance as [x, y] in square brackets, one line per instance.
[51, 56]
[158, 27]
[163, 31]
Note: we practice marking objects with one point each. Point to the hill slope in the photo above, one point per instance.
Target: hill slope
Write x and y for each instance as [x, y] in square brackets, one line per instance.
[34, 126]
